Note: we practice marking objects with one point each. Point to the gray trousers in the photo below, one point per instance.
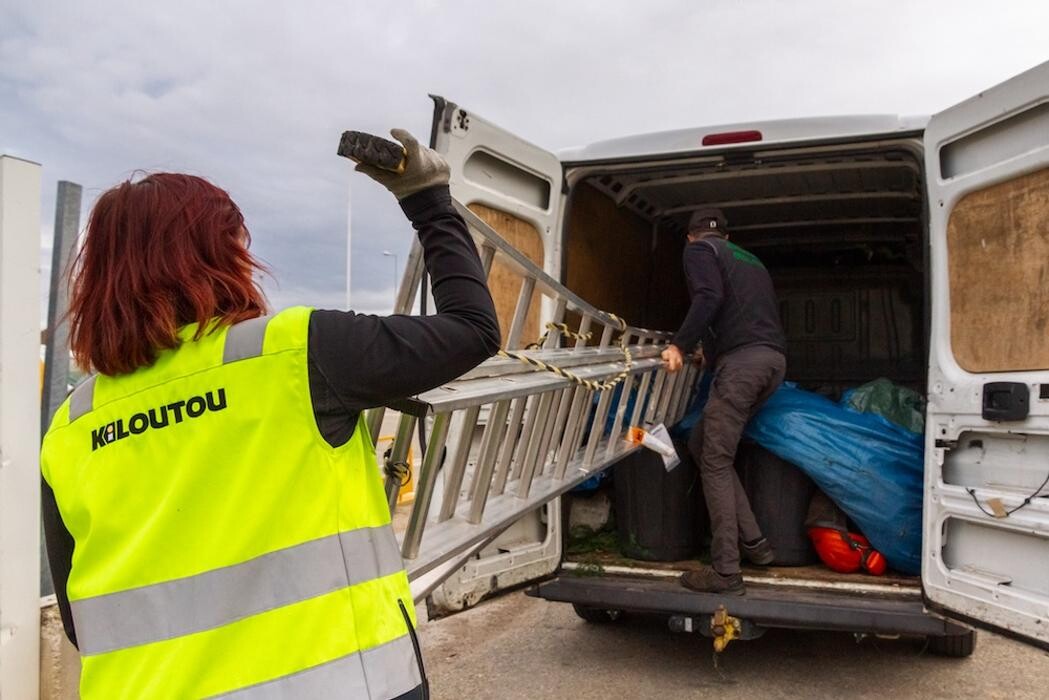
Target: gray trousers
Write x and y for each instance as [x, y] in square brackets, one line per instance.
[743, 380]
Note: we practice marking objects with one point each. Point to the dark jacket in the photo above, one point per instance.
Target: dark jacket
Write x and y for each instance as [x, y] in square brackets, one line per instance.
[733, 302]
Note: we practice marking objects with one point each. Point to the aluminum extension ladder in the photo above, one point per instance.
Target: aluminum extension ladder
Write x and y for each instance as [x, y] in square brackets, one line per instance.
[539, 433]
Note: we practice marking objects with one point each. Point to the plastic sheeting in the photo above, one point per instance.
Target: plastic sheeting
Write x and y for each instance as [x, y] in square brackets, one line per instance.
[893, 402]
[871, 467]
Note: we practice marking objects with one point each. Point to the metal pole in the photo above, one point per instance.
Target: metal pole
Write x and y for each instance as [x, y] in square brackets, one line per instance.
[56, 351]
[56, 348]
[19, 428]
[396, 267]
[349, 246]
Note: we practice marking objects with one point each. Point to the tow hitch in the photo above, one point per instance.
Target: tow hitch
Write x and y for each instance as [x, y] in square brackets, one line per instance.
[721, 627]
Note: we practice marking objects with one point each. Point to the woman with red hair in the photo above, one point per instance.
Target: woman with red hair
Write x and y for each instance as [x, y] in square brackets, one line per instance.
[216, 522]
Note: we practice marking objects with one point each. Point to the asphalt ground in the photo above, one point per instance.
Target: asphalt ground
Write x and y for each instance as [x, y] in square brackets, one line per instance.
[519, 647]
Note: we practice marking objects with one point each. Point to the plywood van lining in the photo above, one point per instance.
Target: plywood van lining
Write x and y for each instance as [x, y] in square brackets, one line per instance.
[998, 269]
[504, 284]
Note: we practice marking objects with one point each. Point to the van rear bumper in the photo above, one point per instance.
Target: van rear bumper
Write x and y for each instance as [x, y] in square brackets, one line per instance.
[763, 605]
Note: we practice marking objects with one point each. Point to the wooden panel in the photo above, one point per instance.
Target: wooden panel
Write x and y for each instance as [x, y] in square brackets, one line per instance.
[998, 262]
[608, 252]
[504, 283]
[667, 297]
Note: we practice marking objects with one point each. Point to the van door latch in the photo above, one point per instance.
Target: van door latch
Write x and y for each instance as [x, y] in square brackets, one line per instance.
[1006, 401]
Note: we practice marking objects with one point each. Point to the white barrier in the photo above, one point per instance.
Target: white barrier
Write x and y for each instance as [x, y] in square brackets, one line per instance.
[19, 428]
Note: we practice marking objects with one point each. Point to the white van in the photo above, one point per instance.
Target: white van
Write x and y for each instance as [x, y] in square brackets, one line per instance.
[913, 249]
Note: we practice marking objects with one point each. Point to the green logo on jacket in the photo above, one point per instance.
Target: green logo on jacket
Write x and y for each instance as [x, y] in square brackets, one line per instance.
[744, 256]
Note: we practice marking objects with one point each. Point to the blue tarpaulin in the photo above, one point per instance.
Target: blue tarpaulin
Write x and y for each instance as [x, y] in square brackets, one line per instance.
[870, 467]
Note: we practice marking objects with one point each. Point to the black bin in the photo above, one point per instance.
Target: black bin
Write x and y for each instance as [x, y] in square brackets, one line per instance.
[779, 495]
[659, 514]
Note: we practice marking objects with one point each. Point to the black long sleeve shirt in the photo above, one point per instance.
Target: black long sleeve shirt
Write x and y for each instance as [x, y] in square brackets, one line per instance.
[359, 361]
[733, 301]
[706, 292]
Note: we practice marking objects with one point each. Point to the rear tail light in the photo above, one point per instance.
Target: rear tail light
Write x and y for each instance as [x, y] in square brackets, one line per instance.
[728, 137]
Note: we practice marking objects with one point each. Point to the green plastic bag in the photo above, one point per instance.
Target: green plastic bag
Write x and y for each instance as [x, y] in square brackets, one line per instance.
[894, 403]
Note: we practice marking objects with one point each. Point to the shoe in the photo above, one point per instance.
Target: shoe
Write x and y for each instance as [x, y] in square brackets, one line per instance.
[706, 580]
[760, 553]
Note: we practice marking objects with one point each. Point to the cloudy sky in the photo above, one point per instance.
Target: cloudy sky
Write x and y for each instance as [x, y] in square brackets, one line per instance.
[254, 96]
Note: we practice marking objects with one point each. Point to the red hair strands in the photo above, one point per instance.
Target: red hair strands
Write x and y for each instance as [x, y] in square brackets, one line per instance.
[158, 254]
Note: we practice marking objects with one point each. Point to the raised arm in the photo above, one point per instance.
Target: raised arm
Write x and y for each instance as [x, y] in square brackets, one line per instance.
[369, 360]
[360, 361]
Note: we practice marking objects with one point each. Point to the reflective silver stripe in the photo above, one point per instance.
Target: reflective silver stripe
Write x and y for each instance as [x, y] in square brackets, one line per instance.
[82, 400]
[380, 673]
[244, 339]
[216, 598]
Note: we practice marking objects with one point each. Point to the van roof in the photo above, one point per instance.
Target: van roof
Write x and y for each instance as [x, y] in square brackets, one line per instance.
[776, 131]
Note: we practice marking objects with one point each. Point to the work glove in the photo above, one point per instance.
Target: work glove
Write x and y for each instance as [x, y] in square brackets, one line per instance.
[424, 168]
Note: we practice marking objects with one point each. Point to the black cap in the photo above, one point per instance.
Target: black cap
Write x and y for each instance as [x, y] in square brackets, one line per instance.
[707, 219]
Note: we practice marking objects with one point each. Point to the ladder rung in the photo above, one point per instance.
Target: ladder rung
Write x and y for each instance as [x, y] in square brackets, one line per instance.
[506, 451]
[572, 425]
[524, 303]
[654, 397]
[527, 428]
[531, 456]
[486, 460]
[624, 402]
[542, 454]
[455, 471]
[597, 428]
[425, 485]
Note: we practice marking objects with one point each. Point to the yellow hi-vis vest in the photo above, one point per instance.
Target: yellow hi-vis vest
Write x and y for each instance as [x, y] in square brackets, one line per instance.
[222, 546]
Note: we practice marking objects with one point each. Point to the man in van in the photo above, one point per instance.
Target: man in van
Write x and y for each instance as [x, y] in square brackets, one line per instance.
[734, 313]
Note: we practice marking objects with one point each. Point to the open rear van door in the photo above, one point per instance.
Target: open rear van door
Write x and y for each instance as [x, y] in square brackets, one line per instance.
[515, 187]
[986, 512]
[512, 184]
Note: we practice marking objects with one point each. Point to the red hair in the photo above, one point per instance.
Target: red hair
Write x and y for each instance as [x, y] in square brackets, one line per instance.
[158, 254]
